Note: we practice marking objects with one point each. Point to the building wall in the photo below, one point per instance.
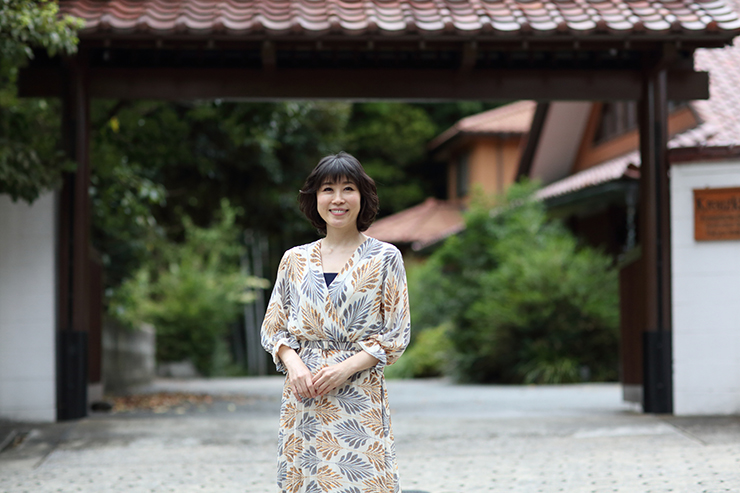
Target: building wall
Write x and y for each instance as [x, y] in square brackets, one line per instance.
[492, 163]
[706, 295]
[28, 309]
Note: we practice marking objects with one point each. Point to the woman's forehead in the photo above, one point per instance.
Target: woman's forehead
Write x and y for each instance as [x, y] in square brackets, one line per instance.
[334, 180]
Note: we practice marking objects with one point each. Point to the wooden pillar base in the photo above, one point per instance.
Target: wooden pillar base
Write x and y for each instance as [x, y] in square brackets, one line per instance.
[658, 372]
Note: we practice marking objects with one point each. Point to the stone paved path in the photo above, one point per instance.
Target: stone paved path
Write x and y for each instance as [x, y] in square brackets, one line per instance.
[450, 438]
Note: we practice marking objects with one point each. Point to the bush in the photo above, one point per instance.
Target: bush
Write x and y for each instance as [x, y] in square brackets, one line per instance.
[525, 301]
[428, 356]
[192, 294]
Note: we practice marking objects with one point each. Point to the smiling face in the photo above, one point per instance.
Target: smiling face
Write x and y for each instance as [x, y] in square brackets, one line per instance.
[339, 203]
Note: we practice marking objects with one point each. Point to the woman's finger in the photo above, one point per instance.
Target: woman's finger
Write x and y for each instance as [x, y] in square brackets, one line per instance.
[304, 387]
[326, 380]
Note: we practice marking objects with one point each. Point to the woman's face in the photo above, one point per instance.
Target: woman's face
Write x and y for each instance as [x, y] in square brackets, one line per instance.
[339, 204]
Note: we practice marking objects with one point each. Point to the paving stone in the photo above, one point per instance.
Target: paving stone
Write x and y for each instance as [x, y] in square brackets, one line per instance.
[450, 439]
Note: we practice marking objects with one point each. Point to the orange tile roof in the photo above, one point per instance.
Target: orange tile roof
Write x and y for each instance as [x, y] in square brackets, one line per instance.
[421, 225]
[512, 119]
[393, 17]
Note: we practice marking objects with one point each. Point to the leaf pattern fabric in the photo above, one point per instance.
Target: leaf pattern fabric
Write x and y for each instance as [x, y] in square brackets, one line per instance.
[341, 442]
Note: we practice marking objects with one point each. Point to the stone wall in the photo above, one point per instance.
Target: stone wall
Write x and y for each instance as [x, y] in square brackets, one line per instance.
[128, 356]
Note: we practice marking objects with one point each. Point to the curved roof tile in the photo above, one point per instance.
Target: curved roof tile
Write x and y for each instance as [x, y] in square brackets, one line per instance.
[393, 17]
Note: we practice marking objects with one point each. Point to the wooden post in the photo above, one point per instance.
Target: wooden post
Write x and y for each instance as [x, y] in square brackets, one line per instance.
[654, 223]
[74, 246]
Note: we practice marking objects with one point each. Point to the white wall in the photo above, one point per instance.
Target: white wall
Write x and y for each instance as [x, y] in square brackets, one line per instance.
[706, 300]
[28, 309]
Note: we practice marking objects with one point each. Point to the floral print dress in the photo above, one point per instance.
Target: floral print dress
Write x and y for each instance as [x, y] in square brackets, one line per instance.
[341, 442]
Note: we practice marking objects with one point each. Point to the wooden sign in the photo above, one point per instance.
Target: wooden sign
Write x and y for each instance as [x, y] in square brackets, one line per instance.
[717, 214]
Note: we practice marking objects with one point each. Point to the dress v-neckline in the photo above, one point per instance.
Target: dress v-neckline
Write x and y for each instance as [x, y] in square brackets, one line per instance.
[347, 264]
[332, 292]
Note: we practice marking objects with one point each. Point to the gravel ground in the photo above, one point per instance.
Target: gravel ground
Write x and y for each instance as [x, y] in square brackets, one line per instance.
[450, 439]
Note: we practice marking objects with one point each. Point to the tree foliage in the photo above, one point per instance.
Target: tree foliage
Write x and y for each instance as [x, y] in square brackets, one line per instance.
[527, 303]
[192, 292]
[155, 162]
[390, 140]
[30, 160]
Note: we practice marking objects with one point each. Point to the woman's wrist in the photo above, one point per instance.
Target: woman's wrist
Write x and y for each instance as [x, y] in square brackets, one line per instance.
[289, 357]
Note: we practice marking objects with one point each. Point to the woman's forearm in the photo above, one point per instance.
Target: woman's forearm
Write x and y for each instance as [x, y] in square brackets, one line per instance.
[358, 362]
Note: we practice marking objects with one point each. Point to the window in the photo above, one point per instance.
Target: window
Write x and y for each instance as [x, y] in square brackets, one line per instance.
[463, 176]
[616, 119]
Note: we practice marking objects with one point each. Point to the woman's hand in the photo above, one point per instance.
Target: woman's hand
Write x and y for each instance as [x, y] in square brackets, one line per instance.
[331, 377]
[300, 377]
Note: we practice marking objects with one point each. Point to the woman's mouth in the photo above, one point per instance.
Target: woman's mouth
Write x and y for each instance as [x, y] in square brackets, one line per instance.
[338, 212]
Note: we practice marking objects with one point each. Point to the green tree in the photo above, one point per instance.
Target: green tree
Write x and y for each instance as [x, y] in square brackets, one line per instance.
[30, 161]
[527, 303]
[155, 162]
[390, 140]
[192, 292]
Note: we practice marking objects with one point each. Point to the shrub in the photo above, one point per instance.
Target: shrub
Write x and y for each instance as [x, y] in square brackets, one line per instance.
[192, 294]
[526, 302]
[428, 356]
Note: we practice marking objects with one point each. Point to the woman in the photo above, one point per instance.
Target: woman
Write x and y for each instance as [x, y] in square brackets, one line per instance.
[337, 315]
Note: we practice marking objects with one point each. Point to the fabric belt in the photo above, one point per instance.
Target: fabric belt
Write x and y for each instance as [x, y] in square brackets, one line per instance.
[330, 345]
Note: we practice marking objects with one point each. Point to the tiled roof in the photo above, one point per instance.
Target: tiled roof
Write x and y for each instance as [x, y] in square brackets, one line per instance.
[614, 169]
[514, 118]
[394, 17]
[421, 225]
[721, 112]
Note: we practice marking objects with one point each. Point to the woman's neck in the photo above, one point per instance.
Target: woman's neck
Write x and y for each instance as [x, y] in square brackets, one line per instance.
[338, 239]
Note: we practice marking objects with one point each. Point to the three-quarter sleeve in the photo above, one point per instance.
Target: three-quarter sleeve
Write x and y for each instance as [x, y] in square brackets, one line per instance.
[394, 335]
[274, 330]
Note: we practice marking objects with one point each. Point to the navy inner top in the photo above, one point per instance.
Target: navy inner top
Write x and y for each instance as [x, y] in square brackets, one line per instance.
[329, 277]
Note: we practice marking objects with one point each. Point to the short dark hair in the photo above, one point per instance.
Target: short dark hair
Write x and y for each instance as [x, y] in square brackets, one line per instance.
[334, 169]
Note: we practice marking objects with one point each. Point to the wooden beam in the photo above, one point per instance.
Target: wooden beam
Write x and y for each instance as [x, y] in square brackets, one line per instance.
[469, 57]
[269, 56]
[533, 140]
[654, 220]
[364, 84]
